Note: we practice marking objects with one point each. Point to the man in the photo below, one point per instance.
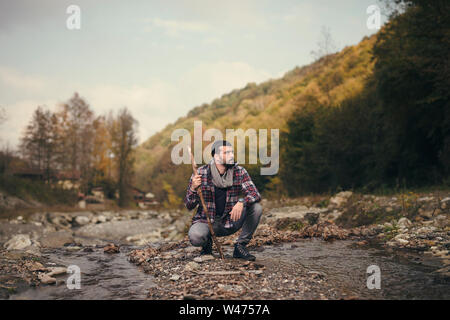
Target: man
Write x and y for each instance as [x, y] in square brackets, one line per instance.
[221, 182]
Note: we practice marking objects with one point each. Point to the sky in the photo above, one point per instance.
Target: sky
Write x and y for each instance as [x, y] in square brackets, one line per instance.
[159, 59]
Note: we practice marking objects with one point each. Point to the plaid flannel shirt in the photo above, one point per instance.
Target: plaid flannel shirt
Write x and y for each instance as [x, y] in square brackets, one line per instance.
[242, 184]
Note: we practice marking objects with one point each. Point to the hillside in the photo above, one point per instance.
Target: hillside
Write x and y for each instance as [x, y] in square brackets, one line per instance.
[268, 105]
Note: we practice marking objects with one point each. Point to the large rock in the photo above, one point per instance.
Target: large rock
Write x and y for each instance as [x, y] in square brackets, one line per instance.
[118, 230]
[9, 230]
[295, 212]
[56, 239]
[340, 199]
[18, 242]
[82, 220]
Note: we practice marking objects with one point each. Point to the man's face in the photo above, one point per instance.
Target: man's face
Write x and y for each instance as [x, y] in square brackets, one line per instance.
[225, 155]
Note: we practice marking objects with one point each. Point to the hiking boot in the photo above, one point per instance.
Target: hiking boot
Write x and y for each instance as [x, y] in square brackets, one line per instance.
[241, 252]
[207, 248]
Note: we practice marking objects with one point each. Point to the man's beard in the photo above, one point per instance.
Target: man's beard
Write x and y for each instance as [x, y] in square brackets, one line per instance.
[230, 165]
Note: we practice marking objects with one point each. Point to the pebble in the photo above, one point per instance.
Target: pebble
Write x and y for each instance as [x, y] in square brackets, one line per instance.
[204, 258]
[46, 279]
[175, 277]
[191, 266]
[82, 220]
[56, 271]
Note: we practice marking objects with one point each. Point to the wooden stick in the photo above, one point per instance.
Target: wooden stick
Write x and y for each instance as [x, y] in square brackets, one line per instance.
[199, 191]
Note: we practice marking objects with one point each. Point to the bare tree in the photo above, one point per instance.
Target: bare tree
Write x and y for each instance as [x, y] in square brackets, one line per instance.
[76, 138]
[3, 116]
[326, 46]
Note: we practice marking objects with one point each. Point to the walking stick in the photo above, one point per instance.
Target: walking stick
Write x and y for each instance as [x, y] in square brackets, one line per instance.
[199, 191]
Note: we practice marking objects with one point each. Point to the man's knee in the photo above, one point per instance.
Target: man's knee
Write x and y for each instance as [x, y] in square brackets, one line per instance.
[257, 209]
[198, 236]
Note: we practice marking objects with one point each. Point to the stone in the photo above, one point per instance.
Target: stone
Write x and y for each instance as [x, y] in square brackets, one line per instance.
[73, 248]
[56, 239]
[46, 279]
[204, 258]
[82, 220]
[340, 198]
[54, 271]
[175, 277]
[401, 236]
[402, 241]
[441, 221]
[425, 213]
[404, 223]
[111, 248]
[60, 221]
[191, 266]
[388, 225]
[118, 230]
[34, 250]
[18, 242]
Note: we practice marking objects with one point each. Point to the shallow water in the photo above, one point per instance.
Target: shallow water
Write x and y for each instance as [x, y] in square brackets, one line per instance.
[344, 265]
[103, 276]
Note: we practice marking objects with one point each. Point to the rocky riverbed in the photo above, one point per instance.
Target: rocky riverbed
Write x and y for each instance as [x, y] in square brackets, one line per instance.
[304, 247]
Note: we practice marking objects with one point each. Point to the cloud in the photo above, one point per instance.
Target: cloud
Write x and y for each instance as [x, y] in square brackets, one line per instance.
[15, 80]
[154, 103]
[213, 41]
[18, 116]
[177, 27]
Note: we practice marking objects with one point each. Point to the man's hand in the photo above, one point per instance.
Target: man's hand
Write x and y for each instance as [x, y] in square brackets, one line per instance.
[196, 181]
[237, 211]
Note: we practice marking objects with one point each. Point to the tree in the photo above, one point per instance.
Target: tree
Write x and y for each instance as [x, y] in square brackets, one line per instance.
[101, 153]
[412, 74]
[3, 116]
[326, 46]
[76, 138]
[38, 144]
[6, 158]
[123, 141]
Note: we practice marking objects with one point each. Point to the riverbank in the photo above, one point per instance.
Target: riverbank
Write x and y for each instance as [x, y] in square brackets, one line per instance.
[415, 229]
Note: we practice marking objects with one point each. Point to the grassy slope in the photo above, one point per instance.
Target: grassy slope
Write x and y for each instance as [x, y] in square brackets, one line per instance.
[267, 105]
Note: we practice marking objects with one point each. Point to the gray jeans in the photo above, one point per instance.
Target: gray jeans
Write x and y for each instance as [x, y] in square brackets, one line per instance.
[199, 233]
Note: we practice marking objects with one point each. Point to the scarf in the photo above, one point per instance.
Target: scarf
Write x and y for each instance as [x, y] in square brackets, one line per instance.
[224, 181]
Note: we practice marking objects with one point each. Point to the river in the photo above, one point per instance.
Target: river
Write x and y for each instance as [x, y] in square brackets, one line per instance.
[342, 262]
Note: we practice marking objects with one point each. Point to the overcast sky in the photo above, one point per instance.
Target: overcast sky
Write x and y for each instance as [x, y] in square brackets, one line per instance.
[158, 58]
